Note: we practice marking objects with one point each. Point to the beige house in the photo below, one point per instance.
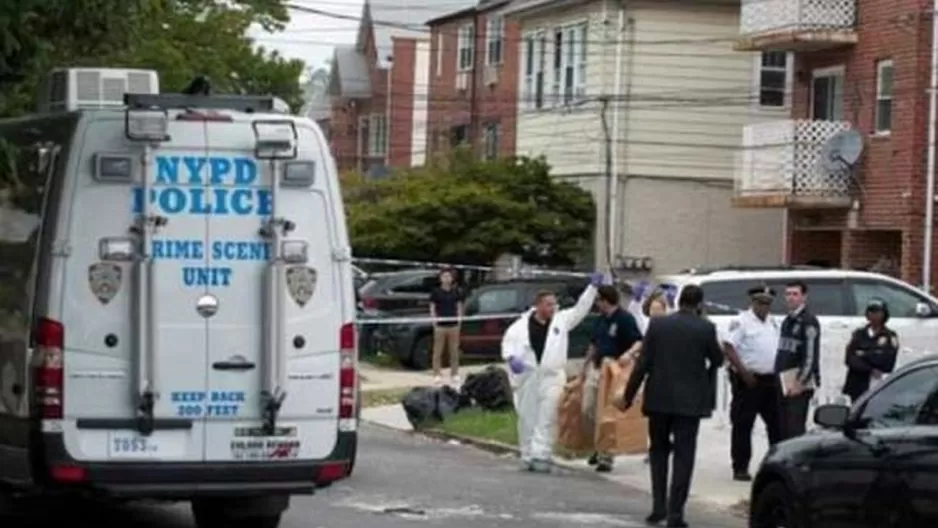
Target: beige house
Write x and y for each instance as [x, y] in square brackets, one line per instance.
[652, 92]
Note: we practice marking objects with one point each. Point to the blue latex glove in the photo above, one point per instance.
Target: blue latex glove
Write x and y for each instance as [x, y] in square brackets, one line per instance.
[597, 278]
[516, 365]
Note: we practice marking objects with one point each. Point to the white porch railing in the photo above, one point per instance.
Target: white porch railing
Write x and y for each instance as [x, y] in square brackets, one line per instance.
[783, 158]
[771, 16]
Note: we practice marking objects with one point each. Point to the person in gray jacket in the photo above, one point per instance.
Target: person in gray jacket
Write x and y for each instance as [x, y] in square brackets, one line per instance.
[679, 360]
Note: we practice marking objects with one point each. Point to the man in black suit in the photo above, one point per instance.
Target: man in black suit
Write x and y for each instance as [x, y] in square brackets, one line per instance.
[678, 364]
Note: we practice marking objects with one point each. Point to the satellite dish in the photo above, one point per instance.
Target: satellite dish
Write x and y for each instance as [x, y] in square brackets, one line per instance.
[842, 151]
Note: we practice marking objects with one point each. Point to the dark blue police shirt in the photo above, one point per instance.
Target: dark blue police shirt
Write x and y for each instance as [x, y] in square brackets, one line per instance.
[614, 334]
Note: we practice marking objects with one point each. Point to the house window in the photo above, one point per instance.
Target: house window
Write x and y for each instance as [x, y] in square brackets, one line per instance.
[494, 40]
[884, 82]
[773, 76]
[377, 135]
[569, 82]
[535, 60]
[465, 48]
[459, 135]
[439, 54]
[491, 141]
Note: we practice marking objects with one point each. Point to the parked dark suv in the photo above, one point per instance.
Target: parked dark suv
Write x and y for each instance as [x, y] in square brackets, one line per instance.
[412, 343]
[874, 465]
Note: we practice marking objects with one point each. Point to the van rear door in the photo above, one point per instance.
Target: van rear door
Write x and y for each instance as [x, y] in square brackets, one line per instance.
[305, 323]
[105, 340]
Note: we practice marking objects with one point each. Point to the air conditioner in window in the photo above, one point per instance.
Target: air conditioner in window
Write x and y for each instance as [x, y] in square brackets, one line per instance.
[491, 75]
[68, 89]
[462, 80]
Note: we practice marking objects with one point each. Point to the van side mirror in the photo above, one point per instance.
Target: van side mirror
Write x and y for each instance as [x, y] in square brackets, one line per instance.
[923, 309]
[832, 416]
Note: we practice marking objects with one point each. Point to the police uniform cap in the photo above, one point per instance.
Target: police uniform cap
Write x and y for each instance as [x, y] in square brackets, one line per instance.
[762, 293]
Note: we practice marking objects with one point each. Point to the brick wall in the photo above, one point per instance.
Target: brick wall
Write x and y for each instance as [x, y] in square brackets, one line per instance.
[401, 108]
[892, 171]
[479, 104]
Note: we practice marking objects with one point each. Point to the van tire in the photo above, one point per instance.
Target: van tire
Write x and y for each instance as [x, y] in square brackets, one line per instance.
[421, 355]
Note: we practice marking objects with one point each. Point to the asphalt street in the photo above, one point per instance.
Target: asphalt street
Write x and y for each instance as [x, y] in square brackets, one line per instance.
[407, 481]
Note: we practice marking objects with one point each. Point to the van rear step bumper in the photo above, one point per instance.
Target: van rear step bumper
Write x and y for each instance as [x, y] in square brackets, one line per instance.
[178, 481]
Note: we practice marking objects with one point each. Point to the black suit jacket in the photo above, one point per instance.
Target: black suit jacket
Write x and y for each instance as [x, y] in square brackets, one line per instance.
[678, 365]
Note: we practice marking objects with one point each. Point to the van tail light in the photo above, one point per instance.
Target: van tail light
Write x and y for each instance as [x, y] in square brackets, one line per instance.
[48, 369]
[347, 377]
[331, 472]
[68, 474]
[370, 303]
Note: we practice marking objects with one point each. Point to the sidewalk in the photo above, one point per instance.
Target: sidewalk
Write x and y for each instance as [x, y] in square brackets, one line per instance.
[380, 378]
[713, 483]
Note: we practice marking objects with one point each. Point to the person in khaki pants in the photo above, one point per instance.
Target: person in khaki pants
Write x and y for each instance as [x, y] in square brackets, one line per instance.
[446, 308]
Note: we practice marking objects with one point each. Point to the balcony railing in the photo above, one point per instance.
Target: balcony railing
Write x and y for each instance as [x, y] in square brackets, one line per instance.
[779, 166]
[796, 25]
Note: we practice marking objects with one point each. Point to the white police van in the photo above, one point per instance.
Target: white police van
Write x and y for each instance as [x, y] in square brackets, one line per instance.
[176, 302]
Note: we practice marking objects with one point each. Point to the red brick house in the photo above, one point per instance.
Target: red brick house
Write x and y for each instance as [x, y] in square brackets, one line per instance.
[473, 78]
[860, 65]
[378, 89]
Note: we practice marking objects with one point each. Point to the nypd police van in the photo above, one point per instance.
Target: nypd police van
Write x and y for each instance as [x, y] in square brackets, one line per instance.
[177, 311]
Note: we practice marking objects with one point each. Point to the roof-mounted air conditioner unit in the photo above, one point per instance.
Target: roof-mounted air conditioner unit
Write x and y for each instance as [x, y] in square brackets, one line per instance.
[68, 89]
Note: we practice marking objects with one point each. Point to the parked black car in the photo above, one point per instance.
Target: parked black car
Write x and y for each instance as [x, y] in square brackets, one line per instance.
[412, 343]
[874, 465]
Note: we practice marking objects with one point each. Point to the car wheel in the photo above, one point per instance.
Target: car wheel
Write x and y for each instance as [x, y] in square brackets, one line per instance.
[422, 354]
[774, 507]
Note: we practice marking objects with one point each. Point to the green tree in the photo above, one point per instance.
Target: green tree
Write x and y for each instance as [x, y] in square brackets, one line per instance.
[472, 212]
[178, 38]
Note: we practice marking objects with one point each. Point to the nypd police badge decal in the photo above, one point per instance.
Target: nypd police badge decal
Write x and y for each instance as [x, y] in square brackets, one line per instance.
[105, 280]
[301, 283]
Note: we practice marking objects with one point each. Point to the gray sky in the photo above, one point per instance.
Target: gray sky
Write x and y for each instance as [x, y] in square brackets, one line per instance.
[311, 37]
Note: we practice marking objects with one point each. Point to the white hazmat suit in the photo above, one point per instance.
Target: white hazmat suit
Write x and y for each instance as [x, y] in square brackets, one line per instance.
[537, 390]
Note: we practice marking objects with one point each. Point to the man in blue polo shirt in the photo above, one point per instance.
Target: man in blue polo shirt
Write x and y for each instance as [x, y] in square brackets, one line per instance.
[615, 336]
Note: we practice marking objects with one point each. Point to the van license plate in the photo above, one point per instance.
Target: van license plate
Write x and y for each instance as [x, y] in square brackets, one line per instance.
[132, 445]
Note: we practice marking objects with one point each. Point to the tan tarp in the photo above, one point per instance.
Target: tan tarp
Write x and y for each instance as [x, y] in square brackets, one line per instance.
[616, 432]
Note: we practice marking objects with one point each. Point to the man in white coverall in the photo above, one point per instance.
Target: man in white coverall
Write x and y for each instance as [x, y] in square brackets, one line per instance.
[535, 347]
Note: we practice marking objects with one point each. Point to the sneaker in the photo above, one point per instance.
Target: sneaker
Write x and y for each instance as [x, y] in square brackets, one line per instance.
[593, 459]
[742, 476]
[437, 380]
[457, 380]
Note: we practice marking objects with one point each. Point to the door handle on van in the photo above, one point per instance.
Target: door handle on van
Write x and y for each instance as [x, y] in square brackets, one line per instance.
[233, 365]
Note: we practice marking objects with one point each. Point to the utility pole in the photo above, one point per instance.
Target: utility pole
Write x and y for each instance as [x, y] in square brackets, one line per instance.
[610, 178]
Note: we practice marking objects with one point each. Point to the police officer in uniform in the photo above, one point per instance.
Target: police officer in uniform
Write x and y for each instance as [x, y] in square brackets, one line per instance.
[751, 347]
[798, 361]
[872, 351]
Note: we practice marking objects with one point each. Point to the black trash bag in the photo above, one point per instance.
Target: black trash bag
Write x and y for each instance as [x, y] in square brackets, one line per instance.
[489, 390]
[428, 405]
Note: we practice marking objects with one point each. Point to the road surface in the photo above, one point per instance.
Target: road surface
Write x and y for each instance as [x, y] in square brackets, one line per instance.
[407, 481]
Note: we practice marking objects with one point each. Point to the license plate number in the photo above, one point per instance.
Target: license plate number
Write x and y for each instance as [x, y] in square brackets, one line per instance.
[130, 446]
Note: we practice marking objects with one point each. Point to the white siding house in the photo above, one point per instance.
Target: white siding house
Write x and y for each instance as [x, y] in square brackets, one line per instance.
[676, 96]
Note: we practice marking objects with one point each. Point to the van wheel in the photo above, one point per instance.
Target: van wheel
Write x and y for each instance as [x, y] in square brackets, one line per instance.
[421, 355]
[774, 507]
